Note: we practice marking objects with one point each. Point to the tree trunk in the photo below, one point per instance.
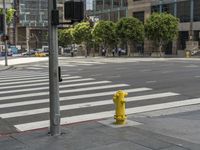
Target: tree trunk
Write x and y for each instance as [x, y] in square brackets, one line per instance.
[129, 48]
[160, 49]
[85, 48]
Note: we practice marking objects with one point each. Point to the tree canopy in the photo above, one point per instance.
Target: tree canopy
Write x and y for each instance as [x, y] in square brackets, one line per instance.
[82, 32]
[65, 37]
[130, 29]
[9, 14]
[161, 28]
[104, 32]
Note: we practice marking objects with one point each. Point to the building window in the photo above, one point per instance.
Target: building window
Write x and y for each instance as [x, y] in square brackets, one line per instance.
[139, 15]
[183, 11]
[196, 10]
[116, 3]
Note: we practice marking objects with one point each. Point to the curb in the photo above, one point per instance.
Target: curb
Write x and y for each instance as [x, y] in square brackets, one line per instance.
[6, 68]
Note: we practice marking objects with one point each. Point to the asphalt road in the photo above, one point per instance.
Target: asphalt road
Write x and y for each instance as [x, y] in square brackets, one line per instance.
[88, 86]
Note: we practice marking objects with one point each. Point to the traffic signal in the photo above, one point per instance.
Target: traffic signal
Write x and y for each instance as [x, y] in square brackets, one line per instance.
[4, 38]
[1, 23]
[74, 11]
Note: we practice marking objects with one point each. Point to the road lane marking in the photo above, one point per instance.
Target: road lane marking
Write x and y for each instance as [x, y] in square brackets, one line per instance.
[21, 76]
[25, 79]
[61, 86]
[107, 114]
[35, 80]
[64, 91]
[46, 83]
[87, 104]
[66, 98]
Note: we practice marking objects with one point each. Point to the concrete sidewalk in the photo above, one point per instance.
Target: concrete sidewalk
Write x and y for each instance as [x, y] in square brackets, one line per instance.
[3, 68]
[172, 132]
[23, 60]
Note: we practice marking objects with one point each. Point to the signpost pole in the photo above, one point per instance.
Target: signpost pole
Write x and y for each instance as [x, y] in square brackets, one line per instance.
[53, 73]
[5, 33]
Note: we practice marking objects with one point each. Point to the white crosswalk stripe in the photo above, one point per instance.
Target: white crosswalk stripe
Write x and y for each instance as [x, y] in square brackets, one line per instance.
[64, 91]
[26, 78]
[62, 86]
[25, 96]
[45, 83]
[34, 80]
[69, 63]
[106, 114]
[87, 104]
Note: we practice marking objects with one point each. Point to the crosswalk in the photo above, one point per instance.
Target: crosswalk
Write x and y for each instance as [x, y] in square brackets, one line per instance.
[62, 63]
[24, 100]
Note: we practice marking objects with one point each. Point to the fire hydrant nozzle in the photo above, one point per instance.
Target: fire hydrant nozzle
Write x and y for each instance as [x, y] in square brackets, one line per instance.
[120, 111]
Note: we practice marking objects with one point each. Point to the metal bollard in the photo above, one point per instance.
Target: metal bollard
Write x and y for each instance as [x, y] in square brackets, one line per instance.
[120, 110]
[188, 54]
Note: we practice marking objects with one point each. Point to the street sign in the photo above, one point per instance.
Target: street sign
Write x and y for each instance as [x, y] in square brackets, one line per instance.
[1, 23]
[74, 11]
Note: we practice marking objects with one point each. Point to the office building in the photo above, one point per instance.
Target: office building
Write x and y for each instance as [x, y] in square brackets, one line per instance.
[188, 11]
[110, 9]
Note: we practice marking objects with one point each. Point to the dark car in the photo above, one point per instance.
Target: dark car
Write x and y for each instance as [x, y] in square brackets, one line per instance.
[8, 54]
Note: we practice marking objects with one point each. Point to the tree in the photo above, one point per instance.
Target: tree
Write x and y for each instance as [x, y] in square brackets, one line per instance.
[82, 35]
[130, 29]
[9, 14]
[65, 37]
[161, 28]
[104, 32]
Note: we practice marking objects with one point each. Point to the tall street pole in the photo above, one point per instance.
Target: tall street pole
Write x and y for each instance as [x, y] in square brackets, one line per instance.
[53, 73]
[5, 33]
[191, 32]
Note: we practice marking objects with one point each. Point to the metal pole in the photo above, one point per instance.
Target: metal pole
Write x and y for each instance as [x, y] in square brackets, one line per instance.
[161, 3]
[53, 74]
[27, 41]
[191, 19]
[5, 33]
[175, 8]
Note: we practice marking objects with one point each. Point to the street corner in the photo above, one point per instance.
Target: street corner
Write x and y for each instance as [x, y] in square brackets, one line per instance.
[4, 68]
[6, 128]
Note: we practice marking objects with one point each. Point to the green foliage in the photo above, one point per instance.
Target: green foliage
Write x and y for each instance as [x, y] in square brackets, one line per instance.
[65, 37]
[9, 14]
[161, 28]
[82, 33]
[130, 29]
[104, 32]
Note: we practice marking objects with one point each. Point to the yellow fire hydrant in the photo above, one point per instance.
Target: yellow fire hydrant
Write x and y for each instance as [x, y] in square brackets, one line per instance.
[120, 111]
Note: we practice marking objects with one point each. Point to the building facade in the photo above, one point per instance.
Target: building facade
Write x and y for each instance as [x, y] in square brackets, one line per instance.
[110, 9]
[9, 4]
[188, 11]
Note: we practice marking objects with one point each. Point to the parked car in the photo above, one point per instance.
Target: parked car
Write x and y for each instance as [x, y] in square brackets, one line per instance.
[41, 53]
[8, 54]
[32, 52]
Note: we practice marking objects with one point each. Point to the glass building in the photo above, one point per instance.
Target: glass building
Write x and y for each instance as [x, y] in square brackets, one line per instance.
[32, 22]
[110, 9]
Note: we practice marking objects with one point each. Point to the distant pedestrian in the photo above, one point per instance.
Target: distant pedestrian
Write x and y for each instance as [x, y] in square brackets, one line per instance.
[113, 52]
[103, 52]
[119, 51]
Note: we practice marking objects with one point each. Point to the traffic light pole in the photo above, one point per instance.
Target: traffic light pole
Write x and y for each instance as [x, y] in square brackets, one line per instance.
[5, 33]
[53, 73]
